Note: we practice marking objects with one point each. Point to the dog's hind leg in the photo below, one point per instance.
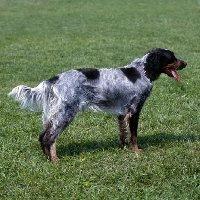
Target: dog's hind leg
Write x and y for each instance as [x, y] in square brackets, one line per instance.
[42, 136]
[59, 121]
[48, 143]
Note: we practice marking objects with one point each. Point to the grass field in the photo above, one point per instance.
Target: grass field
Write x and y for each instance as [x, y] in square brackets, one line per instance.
[39, 39]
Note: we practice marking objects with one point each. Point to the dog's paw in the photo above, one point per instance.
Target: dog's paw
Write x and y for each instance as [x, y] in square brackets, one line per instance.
[54, 159]
[137, 150]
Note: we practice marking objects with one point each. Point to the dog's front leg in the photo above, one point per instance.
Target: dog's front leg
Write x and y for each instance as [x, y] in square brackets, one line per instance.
[123, 129]
[133, 124]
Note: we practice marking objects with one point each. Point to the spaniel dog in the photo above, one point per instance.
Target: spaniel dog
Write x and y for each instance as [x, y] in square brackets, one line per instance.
[120, 91]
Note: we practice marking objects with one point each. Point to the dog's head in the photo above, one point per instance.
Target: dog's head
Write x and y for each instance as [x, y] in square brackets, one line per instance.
[163, 61]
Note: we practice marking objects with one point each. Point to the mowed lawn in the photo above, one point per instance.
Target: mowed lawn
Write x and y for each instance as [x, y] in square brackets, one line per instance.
[39, 39]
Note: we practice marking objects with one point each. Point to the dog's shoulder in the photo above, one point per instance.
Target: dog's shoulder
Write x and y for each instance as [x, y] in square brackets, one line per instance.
[131, 73]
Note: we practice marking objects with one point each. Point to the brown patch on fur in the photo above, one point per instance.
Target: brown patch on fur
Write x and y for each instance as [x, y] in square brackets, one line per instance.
[42, 138]
[123, 122]
[178, 65]
[48, 144]
[53, 156]
[123, 132]
[134, 146]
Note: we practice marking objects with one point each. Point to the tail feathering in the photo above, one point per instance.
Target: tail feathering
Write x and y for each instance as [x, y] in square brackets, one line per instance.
[31, 98]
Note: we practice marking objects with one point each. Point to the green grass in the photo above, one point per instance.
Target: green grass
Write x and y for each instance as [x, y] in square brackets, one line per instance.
[39, 39]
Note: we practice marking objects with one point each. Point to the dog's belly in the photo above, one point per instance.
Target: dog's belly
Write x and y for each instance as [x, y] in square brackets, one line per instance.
[115, 99]
[114, 104]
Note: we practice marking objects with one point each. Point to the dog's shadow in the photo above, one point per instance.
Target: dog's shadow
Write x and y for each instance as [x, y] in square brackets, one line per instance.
[160, 139]
[163, 138]
[76, 148]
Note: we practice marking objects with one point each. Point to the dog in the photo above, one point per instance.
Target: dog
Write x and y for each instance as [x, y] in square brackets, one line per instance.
[120, 91]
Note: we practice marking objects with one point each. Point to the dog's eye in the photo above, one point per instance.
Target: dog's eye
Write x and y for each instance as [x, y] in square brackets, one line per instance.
[171, 60]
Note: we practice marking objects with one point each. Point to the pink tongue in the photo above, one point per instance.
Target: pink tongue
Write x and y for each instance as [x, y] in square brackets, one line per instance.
[175, 75]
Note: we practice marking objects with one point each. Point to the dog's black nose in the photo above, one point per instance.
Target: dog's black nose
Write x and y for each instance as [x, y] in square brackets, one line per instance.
[184, 63]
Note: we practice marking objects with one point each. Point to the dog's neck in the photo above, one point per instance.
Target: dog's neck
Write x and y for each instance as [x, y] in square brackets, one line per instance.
[146, 74]
[139, 63]
[144, 71]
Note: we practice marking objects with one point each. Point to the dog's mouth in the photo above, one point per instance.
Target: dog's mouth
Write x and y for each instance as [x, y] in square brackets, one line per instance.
[171, 69]
[172, 73]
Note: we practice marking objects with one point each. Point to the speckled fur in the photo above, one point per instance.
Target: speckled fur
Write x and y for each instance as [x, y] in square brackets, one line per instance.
[121, 91]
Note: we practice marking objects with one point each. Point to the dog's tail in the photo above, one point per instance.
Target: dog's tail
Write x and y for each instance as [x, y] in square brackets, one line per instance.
[32, 98]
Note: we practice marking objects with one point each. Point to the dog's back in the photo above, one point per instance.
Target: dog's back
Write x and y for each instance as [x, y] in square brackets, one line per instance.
[109, 90]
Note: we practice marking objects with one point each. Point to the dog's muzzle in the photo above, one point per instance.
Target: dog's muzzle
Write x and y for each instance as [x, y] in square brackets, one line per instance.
[171, 69]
